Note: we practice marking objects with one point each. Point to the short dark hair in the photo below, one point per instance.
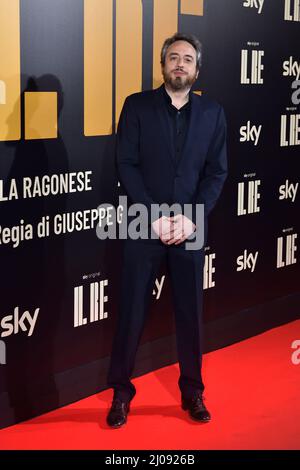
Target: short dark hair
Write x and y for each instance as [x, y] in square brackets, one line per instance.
[193, 40]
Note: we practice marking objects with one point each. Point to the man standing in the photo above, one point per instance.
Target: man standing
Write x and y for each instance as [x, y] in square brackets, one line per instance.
[171, 148]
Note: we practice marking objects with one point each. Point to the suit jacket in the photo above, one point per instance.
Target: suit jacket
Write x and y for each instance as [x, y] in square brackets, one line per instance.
[146, 157]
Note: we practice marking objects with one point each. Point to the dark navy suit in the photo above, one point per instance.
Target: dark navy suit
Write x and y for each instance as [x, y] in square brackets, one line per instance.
[150, 174]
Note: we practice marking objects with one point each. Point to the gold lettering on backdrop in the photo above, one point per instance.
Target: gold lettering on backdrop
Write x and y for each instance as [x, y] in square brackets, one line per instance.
[165, 24]
[129, 22]
[40, 115]
[10, 103]
[191, 7]
[129, 16]
[98, 63]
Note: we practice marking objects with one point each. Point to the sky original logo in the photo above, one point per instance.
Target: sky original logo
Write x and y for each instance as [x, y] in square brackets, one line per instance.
[286, 249]
[248, 196]
[247, 261]
[252, 67]
[292, 10]
[18, 322]
[95, 293]
[291, 68]
[258, 4]
[289, 130]
[158, 285]
[288, 191]
[209, 271]
[250, 133]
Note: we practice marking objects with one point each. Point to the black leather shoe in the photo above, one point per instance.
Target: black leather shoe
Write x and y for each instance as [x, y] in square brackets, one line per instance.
[117, 415]
[197, 409]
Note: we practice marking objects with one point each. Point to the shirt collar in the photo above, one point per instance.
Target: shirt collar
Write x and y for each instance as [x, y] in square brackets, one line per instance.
[169, 100]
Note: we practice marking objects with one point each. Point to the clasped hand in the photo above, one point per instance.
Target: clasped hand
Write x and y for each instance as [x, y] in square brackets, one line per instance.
[173, 230]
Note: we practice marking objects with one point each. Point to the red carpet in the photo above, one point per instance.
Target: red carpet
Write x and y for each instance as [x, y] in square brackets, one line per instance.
[252, 391]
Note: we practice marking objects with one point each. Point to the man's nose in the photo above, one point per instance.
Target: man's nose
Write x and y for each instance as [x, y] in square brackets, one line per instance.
[180, 62]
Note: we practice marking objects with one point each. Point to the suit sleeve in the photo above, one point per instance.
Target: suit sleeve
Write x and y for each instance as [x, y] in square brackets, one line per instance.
[127, 156]
[215, 168]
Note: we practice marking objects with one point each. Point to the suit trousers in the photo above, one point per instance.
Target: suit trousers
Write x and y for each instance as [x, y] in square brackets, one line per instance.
[141, 263]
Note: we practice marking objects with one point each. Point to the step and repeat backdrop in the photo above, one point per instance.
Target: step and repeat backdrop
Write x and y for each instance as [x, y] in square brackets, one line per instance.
[66, 67]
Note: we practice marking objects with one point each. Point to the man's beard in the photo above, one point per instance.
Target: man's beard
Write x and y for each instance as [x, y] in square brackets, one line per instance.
[181, 82]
